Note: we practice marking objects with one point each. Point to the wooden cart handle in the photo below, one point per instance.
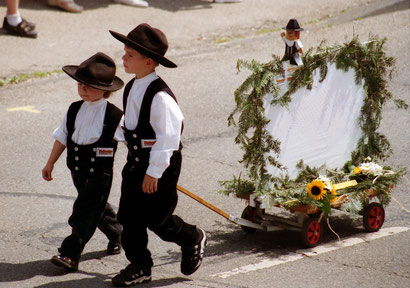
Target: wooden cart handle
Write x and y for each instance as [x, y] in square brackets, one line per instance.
[203, 202]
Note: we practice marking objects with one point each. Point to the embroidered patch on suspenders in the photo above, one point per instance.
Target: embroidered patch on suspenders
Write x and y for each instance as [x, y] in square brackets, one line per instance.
[148, 143]
[105, 152]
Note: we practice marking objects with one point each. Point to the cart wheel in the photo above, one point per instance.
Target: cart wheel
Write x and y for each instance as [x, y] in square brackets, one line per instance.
[248, 214]
[312, 232]
[373, 217]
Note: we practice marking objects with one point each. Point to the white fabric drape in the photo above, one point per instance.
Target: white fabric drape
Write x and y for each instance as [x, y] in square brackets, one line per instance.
[321, 125]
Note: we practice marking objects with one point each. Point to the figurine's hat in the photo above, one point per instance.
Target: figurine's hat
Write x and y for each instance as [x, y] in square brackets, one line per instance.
[293, 25]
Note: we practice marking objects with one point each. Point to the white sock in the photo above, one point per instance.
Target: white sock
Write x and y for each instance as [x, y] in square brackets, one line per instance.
[14, 19]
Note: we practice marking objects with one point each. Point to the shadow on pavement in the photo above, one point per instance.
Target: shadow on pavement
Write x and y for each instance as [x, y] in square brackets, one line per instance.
[11, 272]
[97, 282]
[87, 282]
[21, 271]
[229, 238]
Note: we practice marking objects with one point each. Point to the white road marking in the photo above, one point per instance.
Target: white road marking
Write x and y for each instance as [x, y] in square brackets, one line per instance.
[300, 254]
[24, 108]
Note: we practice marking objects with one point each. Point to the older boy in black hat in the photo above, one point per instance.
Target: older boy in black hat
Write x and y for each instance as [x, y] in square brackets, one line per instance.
[88, 132]
[293, 46]
[152, 127]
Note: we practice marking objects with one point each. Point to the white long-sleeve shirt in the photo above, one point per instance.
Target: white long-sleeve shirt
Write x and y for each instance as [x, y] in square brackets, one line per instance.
[166, 120]
[88, 125]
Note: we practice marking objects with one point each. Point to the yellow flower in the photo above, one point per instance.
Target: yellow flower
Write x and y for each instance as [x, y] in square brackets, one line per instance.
[357, 170]
[333, 192]
[316, 190]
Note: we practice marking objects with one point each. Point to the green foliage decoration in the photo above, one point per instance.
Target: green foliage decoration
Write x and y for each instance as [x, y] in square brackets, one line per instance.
[373, 68]
[253, 121]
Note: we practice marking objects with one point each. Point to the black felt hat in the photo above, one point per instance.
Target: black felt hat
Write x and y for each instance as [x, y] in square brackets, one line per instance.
[98, 71]
[149, 41]
[293, 25]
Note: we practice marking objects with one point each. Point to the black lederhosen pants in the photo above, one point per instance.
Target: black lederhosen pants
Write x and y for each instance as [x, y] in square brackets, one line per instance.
[139, 211]
[90, 210]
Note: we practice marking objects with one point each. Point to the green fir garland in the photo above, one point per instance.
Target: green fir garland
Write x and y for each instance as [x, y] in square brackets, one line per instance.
[371, 66]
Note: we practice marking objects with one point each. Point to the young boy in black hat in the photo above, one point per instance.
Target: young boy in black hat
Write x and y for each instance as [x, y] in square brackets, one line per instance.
[293, 46]
[88, 132]
[152, 127]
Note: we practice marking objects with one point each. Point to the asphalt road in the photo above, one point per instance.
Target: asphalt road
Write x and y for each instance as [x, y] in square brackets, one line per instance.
[206, 40]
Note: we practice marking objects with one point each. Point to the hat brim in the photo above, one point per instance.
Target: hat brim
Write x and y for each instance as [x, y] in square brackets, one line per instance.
[71, 70]
[147, 52]
[297, 29]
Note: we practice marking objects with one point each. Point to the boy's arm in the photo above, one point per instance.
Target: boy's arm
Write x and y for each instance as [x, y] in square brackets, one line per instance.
[56, 152]
[166, 120]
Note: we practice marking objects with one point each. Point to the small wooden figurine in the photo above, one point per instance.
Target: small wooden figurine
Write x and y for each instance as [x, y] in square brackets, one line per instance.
[293, 46]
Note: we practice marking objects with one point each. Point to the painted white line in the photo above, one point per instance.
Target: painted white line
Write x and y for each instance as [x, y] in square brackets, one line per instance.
[357, 239]
[266, 263]
[300, 254]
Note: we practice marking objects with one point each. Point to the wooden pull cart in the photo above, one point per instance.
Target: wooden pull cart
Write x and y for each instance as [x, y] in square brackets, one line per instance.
[309, 218]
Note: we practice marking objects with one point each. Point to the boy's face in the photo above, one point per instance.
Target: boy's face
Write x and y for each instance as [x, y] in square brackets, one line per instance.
[88, 93]
[136, 63]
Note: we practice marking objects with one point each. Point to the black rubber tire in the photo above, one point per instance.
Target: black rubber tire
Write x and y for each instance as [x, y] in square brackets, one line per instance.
[312, 232]
[373, 217]
[249, 214]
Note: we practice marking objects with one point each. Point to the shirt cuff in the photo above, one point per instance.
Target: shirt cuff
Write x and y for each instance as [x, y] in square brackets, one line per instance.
[155, 171]
[60, 136]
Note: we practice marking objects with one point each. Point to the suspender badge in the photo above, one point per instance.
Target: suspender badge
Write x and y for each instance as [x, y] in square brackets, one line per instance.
[105, 152]
[147, 143]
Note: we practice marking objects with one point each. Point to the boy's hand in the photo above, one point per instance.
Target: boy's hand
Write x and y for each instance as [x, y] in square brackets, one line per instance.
[46, 172]
[150, 184]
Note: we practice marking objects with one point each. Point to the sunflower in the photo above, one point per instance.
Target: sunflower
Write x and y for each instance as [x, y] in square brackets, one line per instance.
[316, 189]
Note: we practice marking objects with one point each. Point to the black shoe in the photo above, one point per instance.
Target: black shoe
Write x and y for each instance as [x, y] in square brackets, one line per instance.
[23, 29]
[65, 262]
[113, 248]
[132, 274]
[30, 24]
[192, 255]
